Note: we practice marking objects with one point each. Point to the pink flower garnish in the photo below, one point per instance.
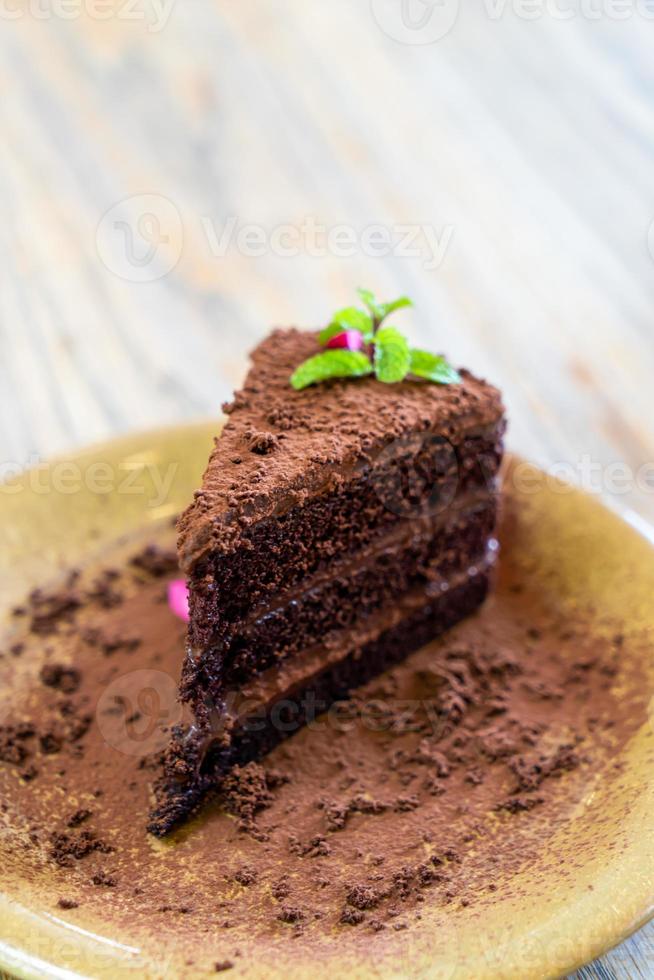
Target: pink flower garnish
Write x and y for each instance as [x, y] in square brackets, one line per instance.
[348, 340]
[178, 598]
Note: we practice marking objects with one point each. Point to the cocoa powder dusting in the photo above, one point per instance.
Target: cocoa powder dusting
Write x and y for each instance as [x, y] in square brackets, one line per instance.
[443, 779]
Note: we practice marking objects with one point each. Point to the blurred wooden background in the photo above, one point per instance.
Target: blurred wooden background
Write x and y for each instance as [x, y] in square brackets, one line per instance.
[177, 175]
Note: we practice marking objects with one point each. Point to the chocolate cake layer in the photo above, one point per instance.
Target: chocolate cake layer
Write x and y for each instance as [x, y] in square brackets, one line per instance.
[197, 758]
[279, 552]
[426, 556]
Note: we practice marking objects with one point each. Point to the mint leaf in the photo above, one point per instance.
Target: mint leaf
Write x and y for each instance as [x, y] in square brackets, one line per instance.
[352, 318]
[348, 319]
[433, 368]
[392, 355]
[369, 299]
[379, 311]
[331, 364]
[397, 304]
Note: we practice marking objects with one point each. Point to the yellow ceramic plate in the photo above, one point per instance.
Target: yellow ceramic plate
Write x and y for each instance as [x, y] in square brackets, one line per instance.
[569, 544]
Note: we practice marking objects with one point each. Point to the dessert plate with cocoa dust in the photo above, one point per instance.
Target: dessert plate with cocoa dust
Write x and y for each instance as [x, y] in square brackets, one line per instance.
[484, 810]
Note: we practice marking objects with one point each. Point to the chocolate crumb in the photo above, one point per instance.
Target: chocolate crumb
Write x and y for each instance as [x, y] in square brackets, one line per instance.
[404, 804]
[531, 770]
[156, 561]
[246, 876]
[281, 889]
[248, 790]
[48, 609]
[105, 880]
[12, 743]
[78, 817]
[291, 914]
[61, 677]
[261, 442]
[67, 903]
[520, 804]
[363, 897]
[50, 743]
[65, 849]
[351, 917]
[110, 641]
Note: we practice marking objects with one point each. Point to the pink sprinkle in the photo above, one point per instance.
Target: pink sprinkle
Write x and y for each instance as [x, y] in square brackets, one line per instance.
[178, 598]
[349, 340]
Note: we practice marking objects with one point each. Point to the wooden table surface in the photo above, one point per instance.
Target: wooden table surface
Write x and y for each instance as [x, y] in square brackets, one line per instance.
[177, 175]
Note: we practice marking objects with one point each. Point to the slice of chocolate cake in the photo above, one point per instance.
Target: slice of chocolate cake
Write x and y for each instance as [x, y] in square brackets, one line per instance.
[338, 528]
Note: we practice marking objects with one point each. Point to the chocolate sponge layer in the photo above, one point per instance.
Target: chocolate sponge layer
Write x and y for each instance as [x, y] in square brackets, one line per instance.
[276, 553]
[197, 760]
[352, 593]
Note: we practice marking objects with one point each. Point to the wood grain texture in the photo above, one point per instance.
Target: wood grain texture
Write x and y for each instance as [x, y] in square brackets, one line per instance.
[523, 148]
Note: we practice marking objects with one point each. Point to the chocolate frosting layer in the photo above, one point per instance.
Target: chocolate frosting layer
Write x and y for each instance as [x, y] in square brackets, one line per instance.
[280, 445]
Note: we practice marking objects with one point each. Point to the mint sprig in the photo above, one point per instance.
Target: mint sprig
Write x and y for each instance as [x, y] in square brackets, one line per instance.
[386, 351]
[331, 364]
